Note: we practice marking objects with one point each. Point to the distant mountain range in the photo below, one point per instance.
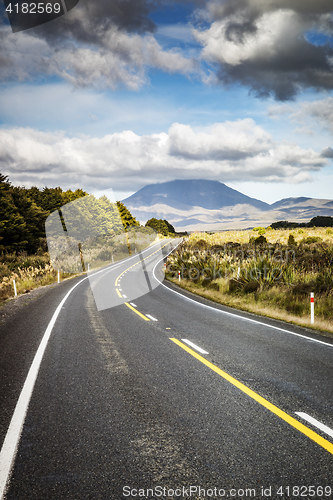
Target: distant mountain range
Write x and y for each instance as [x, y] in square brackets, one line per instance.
[192, 205]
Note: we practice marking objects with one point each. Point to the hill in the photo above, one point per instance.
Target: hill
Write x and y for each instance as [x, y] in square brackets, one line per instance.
[198, 204]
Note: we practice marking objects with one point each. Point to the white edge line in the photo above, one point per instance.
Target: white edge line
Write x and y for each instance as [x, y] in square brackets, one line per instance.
[11, 442]
[234, 314]
[151, 317]
[199, 349]
[315, 422]
[12, 438]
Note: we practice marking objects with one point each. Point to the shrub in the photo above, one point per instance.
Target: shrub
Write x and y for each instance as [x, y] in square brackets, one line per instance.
[251, 286]
[206, 281]
[260, 230]
[311, 239]
[291, 240]
[213, 285]
[201, 244]
[104, 255]
[261, 240]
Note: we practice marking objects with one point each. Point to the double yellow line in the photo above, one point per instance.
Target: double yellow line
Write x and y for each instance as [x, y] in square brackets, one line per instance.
[327, 445]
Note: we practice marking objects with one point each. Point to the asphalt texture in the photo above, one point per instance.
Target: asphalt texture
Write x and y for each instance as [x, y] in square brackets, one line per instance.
[119, 410]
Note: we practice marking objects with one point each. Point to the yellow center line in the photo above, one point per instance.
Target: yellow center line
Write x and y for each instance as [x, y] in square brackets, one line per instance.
[139, 262]
[133, 265]
[137, 312]
[274, 409]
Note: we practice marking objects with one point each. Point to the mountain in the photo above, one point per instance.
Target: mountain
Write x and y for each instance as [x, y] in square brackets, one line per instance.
[183, 195]
[192, 205]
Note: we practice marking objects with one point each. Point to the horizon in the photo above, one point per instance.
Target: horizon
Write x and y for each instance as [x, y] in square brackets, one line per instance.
[103, 99]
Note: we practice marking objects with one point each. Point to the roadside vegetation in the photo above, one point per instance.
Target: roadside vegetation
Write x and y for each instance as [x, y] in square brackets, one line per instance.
[28, 271]
[266, 271]
[83, 233]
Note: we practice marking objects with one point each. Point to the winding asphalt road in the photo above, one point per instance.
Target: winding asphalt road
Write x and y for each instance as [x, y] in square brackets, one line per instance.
[160, 395]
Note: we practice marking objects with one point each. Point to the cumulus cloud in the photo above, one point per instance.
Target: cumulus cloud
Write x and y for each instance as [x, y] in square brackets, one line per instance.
[230, 151]
[320, 111]
[270, 46]
[100, 44]
[327, 153]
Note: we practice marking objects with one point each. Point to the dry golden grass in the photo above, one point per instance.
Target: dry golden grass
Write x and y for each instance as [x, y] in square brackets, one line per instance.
[272, 235]
[256, 307]
[214, 274]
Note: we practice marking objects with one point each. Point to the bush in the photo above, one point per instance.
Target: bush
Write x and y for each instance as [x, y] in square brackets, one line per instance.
[251, 286]
[201, 245]
[311, 239]
[104, 255]
[302, 289]
[213, 285]
[260, 230]
[291, 240]
[261, 240]
[206, 281]
[234, 285]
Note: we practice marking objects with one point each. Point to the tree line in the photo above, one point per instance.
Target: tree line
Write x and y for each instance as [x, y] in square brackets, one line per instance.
[23, 213]
[318, 221]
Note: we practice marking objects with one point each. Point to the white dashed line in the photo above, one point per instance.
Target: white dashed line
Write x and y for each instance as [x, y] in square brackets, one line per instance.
[151, 317]
[132, 304]
[195, 346]
[315, 422]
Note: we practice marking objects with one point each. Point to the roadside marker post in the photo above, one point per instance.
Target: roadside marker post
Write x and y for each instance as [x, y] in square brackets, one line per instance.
[15, 291]
[312, 307]
[58, 276]
[178, 275]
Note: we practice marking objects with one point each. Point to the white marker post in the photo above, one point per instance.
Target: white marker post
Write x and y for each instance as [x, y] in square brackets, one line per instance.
[15, 291]
[58, 276]
[179, 275]
[312, 307]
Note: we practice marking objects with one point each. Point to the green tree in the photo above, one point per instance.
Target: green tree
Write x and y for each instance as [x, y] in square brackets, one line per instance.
[160, 226]
[126, 217]
[23, 213]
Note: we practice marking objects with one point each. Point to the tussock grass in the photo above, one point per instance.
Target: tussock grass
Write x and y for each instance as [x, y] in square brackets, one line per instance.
[272, 235]
[264, 271]
[260, 307]
[28, 271]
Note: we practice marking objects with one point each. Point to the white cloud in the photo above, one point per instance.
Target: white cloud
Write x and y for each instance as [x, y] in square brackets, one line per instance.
[270, 33]
[123, 59]
[318, 111]
[264, 45]
[230, 151]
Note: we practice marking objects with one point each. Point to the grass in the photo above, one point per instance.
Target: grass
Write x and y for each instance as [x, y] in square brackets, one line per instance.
[32, 271]
[28, 271]
[250, 304]
[267, 272]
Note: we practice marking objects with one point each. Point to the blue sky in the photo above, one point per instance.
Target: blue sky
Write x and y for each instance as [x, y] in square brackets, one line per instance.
[117, 95]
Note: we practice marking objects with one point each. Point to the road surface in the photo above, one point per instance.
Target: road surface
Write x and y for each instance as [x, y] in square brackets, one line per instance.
[161, 395]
